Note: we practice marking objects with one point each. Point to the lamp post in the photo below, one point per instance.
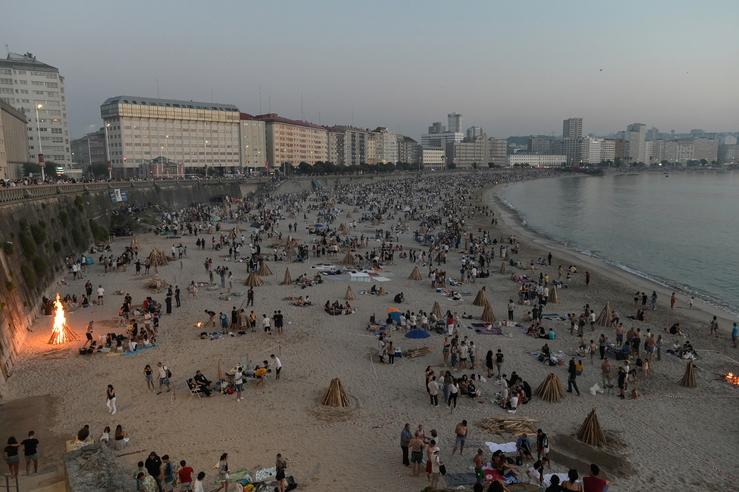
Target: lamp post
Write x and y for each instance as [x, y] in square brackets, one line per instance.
[206, 158]
[107, 153]
[40, 149]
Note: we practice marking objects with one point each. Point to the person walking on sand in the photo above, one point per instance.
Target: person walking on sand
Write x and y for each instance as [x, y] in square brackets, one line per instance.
[149, 375]
[416, 446]
[571, 377]
[164, 375]
[110, 403]
[499, 362]
[460, 435]
[713, 327]
[30, 452]
[511, 306]
[250, 297]
[223, 473]
[12, 459]
[445, 351]
[433, 388]
[489, 363]
[587, 279]
[673, 300]
[280, 467]
[278, 365]
[453, 393]
[101, 295]
[177, 296]
[734, 333]
[542, 448]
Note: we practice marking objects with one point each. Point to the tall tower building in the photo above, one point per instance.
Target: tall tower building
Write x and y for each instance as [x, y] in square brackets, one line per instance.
[636, 136]
[571, 135]
[454, 122]
[572, 128]
[37, 90]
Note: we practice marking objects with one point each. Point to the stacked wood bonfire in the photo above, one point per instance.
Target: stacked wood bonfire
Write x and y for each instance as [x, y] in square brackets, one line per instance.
[335, 395]
[157, 258]
[688, 379]
[590, 431]
[551, 389]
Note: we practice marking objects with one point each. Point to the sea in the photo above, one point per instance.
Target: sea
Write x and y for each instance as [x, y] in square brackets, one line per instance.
[678, 229]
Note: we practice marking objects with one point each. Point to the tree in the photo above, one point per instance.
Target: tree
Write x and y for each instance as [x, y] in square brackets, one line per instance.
[99, 170]
[304, 168]
[491, 164]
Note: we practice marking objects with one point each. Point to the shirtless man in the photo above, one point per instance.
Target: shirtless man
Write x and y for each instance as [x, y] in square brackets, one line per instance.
[460, 432]
[478, 461]
[415, 446]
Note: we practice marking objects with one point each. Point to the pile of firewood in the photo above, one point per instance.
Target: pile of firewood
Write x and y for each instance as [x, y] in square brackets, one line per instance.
[335, 395]
[416, 352]
[551, 389]
[508, 425]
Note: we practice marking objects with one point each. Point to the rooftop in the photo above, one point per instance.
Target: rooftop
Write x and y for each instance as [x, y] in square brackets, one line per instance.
[26, 61]
[275, 118]
[172, 103]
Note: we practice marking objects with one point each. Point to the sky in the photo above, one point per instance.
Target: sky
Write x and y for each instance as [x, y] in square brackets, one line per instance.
[513, 68]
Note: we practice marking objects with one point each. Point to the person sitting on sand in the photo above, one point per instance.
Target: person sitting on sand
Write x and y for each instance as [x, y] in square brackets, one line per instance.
[523, 447]
[373, 290]
[202, 383]
[541, 333]
[551, 335]
[545, 353]
[675, 329]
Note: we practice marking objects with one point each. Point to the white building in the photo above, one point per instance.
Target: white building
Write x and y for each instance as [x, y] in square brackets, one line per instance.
[590, 150]
[636, 136]
[252, 142]
[432, 158]
[608, 150]
[439, 141]
[386, 146]
[197, 134]
[537, 160]
[408, 150]
[30, 85]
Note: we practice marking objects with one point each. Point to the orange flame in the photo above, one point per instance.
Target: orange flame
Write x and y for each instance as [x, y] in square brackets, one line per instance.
[732, 378]
[58, 329]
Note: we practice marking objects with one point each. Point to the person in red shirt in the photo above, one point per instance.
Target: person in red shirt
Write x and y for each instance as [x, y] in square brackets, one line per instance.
[593, 483]
[184, 476]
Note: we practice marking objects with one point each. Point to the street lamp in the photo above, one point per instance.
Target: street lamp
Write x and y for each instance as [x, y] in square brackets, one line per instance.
[206, 158]
[107, 153]
[40, 149]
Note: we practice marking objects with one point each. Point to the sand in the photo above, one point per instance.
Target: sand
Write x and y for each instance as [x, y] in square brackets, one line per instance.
[358, 449]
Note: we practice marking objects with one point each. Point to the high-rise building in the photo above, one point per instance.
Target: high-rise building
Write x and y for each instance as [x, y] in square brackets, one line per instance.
[497, 151]
[89, 150]
[679, 151]
[293, 141]
[571, 135]
[636, 135]
[437, 127]
[572, 128]
[37, 90]
[408, 150]
[433, 158]
[385, 146]
[473, 132]
[252, 142]
[454, 122]
[608, 150]
[590, 150]
[350, 146]
[198, 135]
[13, 141]
[705, 149]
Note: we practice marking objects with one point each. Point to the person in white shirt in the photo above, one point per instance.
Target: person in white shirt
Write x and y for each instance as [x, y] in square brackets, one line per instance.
[239, 382]
[198, 485]
[433, 388]
[100, 293]
[278, 365]
[266, 323]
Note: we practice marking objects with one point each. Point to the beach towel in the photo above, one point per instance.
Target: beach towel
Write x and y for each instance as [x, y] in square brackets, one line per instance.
[417, 333]
[265, 474]
[506, 447]
[491, 330]
[138, 350]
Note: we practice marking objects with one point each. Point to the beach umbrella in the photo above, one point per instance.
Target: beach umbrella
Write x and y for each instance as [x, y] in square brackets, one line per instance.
[502, 267]
[253, 280]
[264, 270]
[551, 389]
[415, 274]
[553, 296]
[688, 379]
[605, 316]
[481, 299]
[335, 396]
[348, 259]
[436, 310]
[487, 314]
[349, 294]
[287, 280]
[590, 431]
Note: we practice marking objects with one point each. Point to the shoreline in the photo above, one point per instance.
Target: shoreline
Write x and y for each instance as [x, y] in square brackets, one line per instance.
[510, 223]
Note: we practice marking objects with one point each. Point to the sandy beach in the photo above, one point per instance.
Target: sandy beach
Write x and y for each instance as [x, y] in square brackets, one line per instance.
[672, 437]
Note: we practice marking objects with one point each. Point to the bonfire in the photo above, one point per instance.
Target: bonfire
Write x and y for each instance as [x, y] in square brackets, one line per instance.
[732, 378]
[60, 332]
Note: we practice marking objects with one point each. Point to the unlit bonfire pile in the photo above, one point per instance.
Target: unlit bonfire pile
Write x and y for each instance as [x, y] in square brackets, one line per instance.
[508, 425]
[551, 389]
[416, 352]
[157, 258]
[335, 396]
[94, 469]
[590, 431]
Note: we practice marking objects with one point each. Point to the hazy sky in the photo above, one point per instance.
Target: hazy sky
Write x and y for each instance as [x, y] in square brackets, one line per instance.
[513, 68]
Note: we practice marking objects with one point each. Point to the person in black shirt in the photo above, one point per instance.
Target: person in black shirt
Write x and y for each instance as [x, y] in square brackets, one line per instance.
[30, 452]
[153, 465]
[11, 456]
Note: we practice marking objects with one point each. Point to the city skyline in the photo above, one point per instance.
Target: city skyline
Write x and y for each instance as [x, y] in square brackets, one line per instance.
[509, 69]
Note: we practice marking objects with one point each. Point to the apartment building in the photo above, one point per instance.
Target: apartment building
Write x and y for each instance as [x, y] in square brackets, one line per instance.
[252, 142]
[293, 141]
[13, 141]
